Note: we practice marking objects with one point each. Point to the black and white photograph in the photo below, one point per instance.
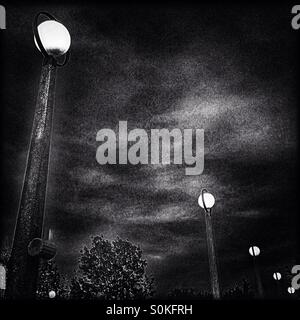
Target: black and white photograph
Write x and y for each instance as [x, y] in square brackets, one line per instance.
[149, 155]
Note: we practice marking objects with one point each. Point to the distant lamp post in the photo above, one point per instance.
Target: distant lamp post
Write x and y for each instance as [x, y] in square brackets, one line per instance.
[53, 40]
[52, 294]
[255, 252]
[277, 278]
[2, 280]
[291, 290]
[206, 201]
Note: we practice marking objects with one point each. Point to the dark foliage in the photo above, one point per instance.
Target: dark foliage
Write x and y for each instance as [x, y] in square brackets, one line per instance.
[111, 270]
[50, 280]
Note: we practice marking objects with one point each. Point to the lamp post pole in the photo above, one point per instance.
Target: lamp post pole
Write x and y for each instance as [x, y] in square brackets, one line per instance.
[24, 263]
[254, 252]
[206, 201]
[277, 278]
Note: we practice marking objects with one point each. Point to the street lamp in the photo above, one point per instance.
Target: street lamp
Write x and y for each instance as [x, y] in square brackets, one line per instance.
[53, 41]
[255, 252]
[206, 201]
[52, 294]
[291, 290]
[277, 278]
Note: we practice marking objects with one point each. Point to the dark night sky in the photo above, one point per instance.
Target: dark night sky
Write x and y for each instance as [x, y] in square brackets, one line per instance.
[231, 71]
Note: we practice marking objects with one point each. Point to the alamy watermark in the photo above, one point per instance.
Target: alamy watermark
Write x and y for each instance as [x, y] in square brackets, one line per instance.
[2, 17]
[296, 19]
[163, 147]
[296, 279]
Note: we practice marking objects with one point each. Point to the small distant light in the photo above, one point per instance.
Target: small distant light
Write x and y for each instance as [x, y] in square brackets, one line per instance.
[52, 294]
[2, 277]
[254, 251]
[277, 275]
[291, 290]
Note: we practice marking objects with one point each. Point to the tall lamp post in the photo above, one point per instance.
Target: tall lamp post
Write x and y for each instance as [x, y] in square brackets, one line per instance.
[254, 251]
[206, 201]
[53, 40]
[277, 278]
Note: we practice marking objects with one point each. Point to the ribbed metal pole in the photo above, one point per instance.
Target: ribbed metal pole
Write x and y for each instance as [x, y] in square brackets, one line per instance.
[212, 256]
[22, 268]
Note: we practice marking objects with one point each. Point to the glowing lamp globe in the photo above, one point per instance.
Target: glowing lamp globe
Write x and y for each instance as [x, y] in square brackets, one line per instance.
[55, 38]
[209, 200]
[291, 290]
[277, 275]
[254, 251]
[52, 294]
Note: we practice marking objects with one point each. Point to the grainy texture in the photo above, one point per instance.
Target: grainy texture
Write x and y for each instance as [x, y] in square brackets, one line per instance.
[231, 70]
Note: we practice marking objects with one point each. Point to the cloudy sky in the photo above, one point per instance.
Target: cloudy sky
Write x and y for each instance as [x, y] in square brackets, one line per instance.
[231, 71]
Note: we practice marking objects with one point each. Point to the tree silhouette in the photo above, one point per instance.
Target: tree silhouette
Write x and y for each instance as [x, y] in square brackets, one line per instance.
[239, 292]
[111, 270]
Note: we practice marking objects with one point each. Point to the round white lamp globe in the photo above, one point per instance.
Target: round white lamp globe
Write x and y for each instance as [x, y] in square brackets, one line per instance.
[277, 275]
[254, 251]
[55, 37]
[291, 290]
[52, 294]
[209, 200]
